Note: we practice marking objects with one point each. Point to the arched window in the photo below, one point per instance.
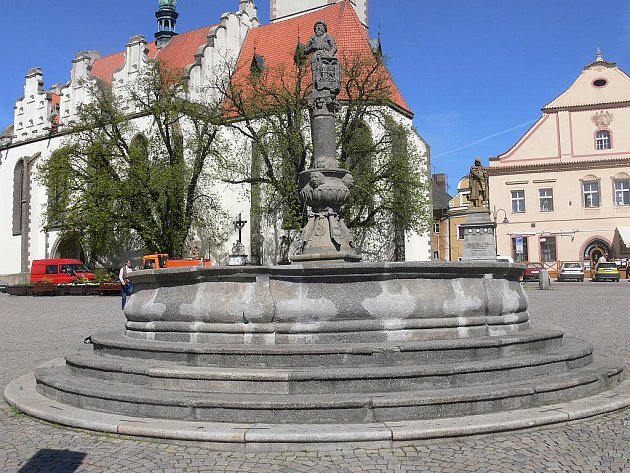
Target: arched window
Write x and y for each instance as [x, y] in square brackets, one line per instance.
[602, 140]
[18, 197]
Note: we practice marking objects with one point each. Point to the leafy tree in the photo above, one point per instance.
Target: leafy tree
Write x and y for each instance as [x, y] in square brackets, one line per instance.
[269, 108]
[137, 167]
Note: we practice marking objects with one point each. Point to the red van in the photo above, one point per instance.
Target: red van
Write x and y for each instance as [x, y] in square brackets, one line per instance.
[60, 270]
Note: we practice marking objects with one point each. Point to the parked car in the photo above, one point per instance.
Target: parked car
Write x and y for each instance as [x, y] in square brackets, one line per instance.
[505, 259]
[3, 286]
[60, 271]
[532, 271]
[571, 270]
[605, 271]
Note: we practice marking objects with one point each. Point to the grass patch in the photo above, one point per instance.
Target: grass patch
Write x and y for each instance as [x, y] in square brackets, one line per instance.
[15, 412]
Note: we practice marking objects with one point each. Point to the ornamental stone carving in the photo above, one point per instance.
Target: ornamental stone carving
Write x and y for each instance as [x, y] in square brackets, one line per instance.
[602, 119]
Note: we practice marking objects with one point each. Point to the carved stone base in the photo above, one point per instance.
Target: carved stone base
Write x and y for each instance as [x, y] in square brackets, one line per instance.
[328, 257]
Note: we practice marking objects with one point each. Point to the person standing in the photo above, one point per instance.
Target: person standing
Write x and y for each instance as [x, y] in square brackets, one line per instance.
[126, 288]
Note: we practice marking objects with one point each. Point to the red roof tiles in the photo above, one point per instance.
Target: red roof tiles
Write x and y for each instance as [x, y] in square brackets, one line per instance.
[178, 53]
[277, 42]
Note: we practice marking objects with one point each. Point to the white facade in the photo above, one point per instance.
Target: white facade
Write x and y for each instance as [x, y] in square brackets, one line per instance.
[43, 116]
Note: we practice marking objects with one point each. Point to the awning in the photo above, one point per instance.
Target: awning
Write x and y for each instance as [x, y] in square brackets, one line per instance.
[624, 233]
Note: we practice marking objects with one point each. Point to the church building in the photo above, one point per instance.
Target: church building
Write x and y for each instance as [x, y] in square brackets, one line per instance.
[43, 116]
[563, 189]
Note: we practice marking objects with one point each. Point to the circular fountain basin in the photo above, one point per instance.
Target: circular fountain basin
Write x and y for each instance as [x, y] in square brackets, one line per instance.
[329, 303]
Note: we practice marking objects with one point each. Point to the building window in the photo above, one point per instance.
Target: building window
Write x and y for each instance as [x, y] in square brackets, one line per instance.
[548, 249]
[546, 200]
[524, 256]
[460, 232]
[18, 197]
[602, 140]
[436, 227]
[518, 201]
[590, 190]
[622, 192]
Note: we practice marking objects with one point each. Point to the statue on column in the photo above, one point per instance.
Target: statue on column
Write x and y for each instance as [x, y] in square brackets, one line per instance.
[325, 66]
[325, 188]
[478, 182]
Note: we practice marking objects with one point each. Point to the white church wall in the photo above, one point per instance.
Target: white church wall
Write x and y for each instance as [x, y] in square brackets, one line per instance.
[215, 58]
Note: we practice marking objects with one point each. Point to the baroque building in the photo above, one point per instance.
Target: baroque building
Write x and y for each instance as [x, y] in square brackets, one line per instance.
[43, 116]
[564, 187]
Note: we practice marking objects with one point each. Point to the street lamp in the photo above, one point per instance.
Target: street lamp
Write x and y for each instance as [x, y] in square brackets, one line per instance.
[496, 211]
[505, 220]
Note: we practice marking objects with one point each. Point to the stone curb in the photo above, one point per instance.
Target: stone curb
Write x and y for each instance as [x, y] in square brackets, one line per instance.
[23, 395]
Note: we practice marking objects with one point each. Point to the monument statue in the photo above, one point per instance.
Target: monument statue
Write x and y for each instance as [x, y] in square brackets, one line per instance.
[325, 188]
[326, 71]
[478, 182]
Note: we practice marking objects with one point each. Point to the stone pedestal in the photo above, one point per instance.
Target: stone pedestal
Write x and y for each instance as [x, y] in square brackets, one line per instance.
[479, 236]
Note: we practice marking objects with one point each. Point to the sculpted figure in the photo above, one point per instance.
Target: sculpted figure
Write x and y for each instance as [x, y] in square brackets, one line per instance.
[326, 72]
[478, 181]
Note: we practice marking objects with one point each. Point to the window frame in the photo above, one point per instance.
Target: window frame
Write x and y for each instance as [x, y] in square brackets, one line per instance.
[514, 200]
[525, 256]
[545, 249]
[460, 231]
[606, 138]
[625, 191]
[591, 193]
[542, 198]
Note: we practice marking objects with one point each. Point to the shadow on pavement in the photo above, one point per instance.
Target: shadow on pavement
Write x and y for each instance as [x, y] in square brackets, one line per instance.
[59, 461]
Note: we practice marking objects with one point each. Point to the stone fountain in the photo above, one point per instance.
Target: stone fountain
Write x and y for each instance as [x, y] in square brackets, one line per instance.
[326, 352]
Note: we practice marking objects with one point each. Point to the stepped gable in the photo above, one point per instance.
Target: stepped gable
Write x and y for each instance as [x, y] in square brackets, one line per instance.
[277, 42]
[178, 53]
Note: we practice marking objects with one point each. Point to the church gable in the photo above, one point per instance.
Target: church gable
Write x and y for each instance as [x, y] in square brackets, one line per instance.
[600, 83]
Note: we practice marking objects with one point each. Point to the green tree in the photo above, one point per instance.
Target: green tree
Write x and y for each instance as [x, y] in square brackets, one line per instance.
[269, 107]
[137, 167]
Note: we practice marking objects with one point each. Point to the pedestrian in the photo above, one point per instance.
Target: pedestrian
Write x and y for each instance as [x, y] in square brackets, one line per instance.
[126, 288]
[602, 259]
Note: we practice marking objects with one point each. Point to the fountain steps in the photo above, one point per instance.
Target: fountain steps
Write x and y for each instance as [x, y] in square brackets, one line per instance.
[116, 345]
[224, 378]
[142, 401]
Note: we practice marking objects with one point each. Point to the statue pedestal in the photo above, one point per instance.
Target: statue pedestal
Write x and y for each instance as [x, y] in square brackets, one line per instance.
[479, 236]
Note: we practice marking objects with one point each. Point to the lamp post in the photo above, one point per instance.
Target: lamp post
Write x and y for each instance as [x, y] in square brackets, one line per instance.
[495, 213]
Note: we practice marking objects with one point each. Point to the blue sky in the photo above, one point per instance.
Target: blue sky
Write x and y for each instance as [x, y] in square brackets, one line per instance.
[470, 69]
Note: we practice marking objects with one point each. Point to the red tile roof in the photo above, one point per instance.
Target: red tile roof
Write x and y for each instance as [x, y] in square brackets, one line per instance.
[277, 42]
[178, 53]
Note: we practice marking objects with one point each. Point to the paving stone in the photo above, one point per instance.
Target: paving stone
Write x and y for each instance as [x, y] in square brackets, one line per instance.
[56, 326]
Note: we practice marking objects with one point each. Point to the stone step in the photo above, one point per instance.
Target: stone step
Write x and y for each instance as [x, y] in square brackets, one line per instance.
[572, 354]
[141, 401]
[117, 345]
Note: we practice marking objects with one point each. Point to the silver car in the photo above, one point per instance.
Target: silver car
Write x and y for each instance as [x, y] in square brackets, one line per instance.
[571, 270]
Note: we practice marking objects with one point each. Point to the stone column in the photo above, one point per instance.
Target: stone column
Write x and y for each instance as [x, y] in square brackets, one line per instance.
[325, 188]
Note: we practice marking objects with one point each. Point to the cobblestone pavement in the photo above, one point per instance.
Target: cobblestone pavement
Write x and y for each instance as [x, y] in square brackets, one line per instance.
[34, 330]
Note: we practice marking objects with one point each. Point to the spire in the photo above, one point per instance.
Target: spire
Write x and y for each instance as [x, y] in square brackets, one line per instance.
[599, 62]
[167, 18]
[599, 57]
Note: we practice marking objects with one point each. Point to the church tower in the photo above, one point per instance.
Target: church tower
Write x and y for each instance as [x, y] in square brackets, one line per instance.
[166, 17]
[284, 9]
